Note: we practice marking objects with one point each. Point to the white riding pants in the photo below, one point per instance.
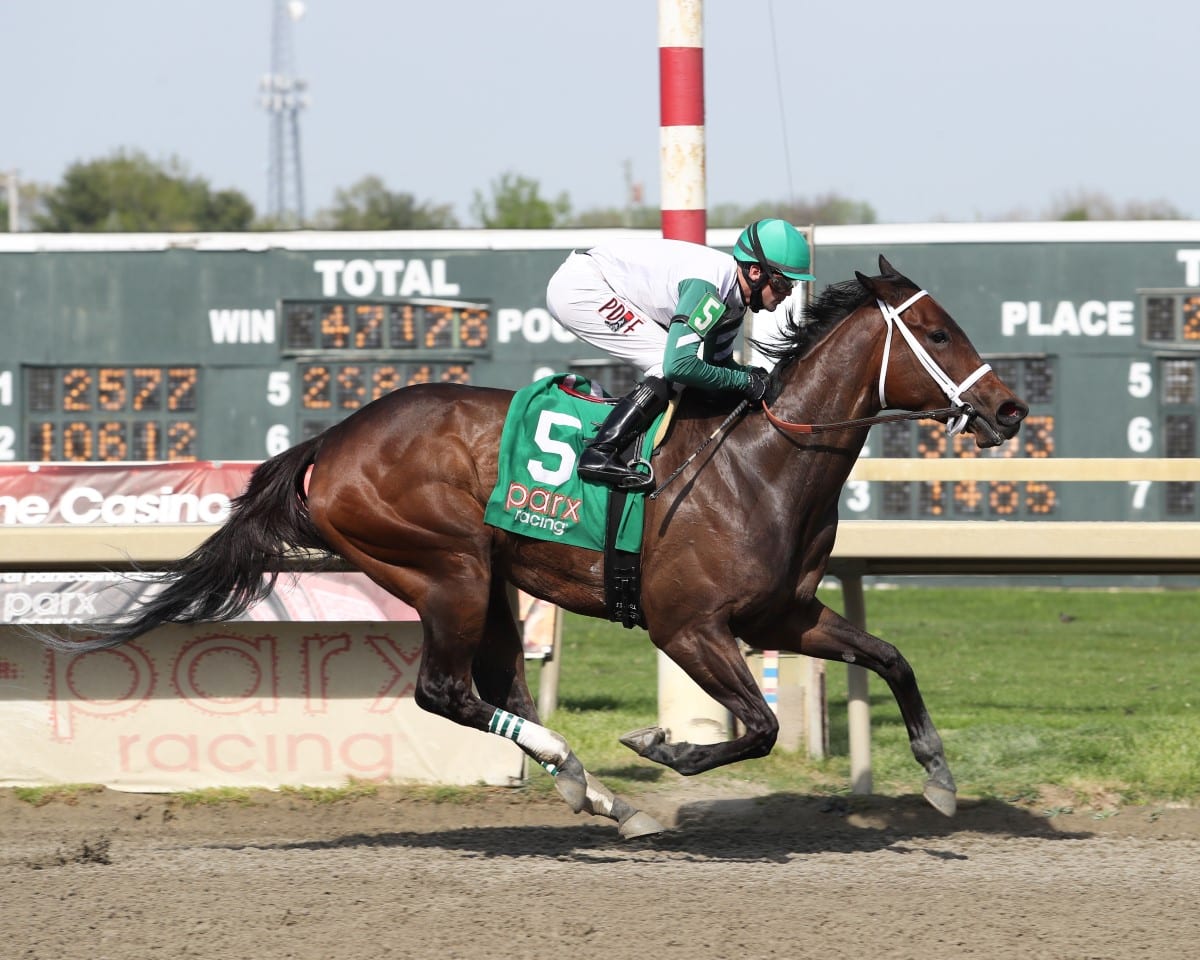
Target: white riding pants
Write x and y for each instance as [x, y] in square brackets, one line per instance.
[581, 300]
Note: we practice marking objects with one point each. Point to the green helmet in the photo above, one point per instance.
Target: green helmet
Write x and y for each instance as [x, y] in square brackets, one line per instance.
[777, 247]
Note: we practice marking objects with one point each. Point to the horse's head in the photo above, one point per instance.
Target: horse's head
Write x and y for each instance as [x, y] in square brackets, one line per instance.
[929, 363]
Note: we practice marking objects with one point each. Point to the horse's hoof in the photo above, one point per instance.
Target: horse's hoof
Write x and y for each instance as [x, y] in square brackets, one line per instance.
[640, 825]
[644, 740]
[942, 800]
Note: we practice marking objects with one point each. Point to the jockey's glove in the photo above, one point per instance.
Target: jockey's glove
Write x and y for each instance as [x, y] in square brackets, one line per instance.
[758, 381]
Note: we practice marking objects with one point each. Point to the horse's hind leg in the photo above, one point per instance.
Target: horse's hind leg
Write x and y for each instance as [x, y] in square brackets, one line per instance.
[499, 673]
[499, 664]
[472, 660]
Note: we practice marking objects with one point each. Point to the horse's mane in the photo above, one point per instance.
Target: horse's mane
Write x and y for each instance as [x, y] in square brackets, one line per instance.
[803, 329]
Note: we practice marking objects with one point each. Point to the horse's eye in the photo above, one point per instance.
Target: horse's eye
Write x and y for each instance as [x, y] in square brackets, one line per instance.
[940, 336]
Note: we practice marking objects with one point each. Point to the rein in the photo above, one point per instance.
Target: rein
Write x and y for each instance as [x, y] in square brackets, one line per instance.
[806, 428]
[737, 412]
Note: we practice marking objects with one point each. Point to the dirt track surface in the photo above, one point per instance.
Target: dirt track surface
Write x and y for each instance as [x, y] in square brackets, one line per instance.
[120, 876]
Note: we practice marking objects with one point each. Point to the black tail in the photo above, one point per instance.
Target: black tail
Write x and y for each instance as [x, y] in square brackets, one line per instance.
[233, 568]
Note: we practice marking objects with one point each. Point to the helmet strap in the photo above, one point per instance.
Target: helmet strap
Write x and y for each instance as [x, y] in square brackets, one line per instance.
[755, 302]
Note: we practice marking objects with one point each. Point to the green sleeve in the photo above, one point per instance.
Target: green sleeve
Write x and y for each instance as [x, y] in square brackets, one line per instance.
[682, 362]
[700, 305]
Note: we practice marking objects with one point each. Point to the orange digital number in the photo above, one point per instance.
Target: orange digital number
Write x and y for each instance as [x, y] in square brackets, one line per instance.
[1037, 436]
[112, 441]
[931, 441]
[41, 441]
[966, 494]
[1191, 318]
[317, 391]
[933, 498]
[335, 331]
[368, 326]
[384, 380]
[146, 440]
[77, 384]
[440, 330]
[147, 388]
[931, 445]
[181, 388]
[77, 441]
[1040, 498]
[181, 440]
[111, 393]
[351, 388]
[968, 497]
[404, 326]
[1003, 498]
[473, 328]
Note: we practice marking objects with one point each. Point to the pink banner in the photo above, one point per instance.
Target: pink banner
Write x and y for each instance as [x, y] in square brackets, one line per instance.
[124, 494]
[77, 597]
[34, 494]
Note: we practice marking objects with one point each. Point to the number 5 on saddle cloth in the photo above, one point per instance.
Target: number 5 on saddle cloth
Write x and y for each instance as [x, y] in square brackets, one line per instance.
[538, 493]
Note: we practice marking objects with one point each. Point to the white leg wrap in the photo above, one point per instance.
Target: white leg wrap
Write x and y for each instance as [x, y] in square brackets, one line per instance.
[600, 799]
[545, 746]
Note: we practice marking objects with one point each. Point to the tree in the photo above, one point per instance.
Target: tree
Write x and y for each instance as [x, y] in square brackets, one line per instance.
[370, 205]
[637, 218]
[826, 210]
[129, 192]
[1093, 205]
[28, 201]
[516, 204]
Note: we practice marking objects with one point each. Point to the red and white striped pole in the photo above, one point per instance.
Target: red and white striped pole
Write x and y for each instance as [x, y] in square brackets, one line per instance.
[685, 711]
[681, 88]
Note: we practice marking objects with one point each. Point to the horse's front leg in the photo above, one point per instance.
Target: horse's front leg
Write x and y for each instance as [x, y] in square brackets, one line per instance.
[709, 654]
[817, 631]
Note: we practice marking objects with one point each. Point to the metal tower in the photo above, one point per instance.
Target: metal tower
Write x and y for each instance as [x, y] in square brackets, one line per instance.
[283, 96]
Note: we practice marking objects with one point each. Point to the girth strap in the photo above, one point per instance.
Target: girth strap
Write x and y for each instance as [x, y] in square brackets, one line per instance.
[622, 570]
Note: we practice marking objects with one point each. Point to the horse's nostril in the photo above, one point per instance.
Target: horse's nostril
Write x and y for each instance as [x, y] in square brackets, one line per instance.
[1012, 411]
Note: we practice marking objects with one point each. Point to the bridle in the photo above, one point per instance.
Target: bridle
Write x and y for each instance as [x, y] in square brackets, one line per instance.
[953, 391]
[957, 416]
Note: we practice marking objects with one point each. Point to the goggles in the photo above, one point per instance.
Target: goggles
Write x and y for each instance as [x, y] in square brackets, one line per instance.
[780, 285]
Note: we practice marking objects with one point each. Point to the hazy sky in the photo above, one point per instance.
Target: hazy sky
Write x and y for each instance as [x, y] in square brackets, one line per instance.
[929, 109]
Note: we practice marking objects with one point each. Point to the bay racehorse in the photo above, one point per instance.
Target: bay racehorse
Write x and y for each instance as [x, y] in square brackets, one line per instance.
[736, 546]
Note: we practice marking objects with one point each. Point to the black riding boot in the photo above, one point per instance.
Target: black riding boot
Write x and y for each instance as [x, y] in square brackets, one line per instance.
[601, 461]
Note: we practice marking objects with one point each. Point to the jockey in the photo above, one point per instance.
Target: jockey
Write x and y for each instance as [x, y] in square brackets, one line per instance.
[674, 309]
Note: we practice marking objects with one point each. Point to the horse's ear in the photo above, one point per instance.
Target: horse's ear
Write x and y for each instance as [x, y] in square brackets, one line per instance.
[891, 273]
[869, 283]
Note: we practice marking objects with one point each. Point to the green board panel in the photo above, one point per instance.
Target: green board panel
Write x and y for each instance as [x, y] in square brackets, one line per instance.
[165, 347]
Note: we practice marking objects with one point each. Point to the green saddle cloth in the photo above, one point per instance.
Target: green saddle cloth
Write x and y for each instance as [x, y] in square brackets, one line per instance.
[538, 494]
